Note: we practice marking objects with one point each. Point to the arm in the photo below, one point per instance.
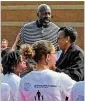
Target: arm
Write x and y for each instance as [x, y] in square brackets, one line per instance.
[16, 42]
[19, 38]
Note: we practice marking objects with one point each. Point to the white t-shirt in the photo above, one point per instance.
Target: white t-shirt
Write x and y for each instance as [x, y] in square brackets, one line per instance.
[77, 93]
[13, 81]
[45, 85]
[5, 92]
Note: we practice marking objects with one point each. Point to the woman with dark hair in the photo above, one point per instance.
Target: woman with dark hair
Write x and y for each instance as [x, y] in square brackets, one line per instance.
[71, 60]
[9, 64]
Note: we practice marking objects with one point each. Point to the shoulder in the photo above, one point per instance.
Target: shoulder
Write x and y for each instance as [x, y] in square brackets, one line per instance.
[54, 25]
[66, 78]
[30, 24]
[76, 48]
[75, 51]
[15, 79]
[79, 49]
[50, 74]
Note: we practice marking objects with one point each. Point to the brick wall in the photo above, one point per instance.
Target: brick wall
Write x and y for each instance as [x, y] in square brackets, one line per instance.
[15, 13]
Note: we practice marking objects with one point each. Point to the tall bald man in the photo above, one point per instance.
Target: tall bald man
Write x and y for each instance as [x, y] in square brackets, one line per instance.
[41, 29]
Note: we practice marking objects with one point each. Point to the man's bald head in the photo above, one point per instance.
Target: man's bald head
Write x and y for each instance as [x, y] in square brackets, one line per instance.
[44, 7]
[44, 15]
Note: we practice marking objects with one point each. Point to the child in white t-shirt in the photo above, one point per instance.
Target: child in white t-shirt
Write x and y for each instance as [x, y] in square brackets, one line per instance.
[9, 65]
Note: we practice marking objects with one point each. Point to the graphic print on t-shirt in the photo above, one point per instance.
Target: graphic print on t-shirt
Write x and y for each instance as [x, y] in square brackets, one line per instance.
[38, 96]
